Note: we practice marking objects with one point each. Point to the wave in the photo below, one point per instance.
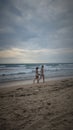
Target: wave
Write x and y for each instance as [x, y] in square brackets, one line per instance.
[32, 71]
[21, 73]
[2, 66]
[12, 65]
[17, 72]
[22, 69]
[27, 71]
[58, 66]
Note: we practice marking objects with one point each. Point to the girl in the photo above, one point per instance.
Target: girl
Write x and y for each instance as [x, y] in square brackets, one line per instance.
[36, 76]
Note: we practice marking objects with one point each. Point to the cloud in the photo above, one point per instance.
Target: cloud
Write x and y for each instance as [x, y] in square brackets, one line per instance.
[33, 54]
[36, 25]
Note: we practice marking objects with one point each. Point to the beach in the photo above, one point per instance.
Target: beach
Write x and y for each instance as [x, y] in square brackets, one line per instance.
[43, 106]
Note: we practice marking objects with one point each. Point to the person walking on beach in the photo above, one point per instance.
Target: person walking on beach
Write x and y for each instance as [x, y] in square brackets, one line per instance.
[42, 73]
[36, 76]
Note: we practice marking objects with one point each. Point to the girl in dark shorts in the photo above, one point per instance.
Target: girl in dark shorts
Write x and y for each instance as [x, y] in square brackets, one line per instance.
[36, 76]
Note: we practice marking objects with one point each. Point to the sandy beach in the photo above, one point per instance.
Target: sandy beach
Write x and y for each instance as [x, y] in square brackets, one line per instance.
[43, 106]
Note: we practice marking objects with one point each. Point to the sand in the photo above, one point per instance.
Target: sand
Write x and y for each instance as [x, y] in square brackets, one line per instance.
[43, 106]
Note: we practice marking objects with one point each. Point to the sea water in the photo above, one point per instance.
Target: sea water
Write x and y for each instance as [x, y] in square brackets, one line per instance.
[13, 72]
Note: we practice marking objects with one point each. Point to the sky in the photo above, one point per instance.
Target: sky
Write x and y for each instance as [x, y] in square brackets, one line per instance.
[36, 31]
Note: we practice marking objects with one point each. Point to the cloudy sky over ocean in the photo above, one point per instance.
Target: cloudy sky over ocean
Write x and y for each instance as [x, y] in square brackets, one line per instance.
[33, 31]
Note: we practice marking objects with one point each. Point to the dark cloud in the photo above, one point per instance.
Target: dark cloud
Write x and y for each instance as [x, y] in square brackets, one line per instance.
[36, 24]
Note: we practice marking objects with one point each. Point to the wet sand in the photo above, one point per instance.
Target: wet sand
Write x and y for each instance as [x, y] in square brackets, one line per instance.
[43, 106]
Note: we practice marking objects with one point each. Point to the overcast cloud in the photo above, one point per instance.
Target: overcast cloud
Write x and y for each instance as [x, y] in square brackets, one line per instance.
[36, 31]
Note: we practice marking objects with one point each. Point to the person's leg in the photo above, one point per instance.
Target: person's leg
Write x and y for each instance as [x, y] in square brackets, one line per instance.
[40, 77]
[43, 79]
[37, 79]
[34, 80]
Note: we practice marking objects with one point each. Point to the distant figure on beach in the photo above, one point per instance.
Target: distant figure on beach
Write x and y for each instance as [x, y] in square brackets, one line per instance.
[36, 76]
[42, 73]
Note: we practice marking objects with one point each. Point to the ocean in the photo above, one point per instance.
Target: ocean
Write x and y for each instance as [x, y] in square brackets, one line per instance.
[16, 72]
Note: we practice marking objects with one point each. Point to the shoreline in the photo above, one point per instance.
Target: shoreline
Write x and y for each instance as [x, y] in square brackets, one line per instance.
[29, 82]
